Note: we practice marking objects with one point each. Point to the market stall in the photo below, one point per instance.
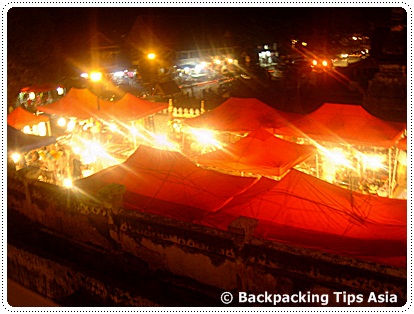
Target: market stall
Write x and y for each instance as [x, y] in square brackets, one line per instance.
[167, 183]
[260, 153]
[17, 141]
[305, 211]
[355, 149]
[300, 209]
[28, 122]
[235, 117]
[77, 103]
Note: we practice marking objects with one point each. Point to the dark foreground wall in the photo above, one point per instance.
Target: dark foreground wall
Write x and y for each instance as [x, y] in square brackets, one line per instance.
[82, 252]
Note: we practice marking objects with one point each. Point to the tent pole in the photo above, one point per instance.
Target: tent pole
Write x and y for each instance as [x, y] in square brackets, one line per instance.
[134, 135]
[394, 172]
[389, 172]
[49, 131]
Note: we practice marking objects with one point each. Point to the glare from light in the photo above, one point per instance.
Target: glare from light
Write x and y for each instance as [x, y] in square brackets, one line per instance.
[60, 91]
[198, 68]
[42, 129]
[61, 122]
[304, 44]
[26, 129]
[71, 125]
[16, 157]
[32, 95]
[113, 127]
[230, 60]
[119, 74]
[96, 76]
[205, 137]
[84, 75]
[354, 38]
[67, 183]
[337, 157]
[133, 131]
[314, 62]
[374, 162]
[217, 61]
[325, 63]
[161, 141]
[151, 56]
[76, 149]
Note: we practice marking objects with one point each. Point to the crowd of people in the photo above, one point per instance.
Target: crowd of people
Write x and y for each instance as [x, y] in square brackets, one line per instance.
[54, 162]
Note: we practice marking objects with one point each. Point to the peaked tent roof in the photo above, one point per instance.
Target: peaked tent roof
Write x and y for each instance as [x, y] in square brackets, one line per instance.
[17, 141]
[131, 107]
[168, 177]
[345, 123]
[39, 88]
[305, 211]
[20, 117]
[242, 115]
[261, 153]
[78, 102]
[300, 210]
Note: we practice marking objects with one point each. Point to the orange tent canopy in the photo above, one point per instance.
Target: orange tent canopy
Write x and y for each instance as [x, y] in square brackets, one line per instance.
[20, 117]
[260, 153]
[305, 211]
[242, 115]
[299, 209]
[131, 107]
[79, 103]
[152, 176]
[343, 123]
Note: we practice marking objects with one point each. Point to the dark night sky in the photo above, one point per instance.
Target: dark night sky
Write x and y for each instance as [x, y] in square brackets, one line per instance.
[177, 24]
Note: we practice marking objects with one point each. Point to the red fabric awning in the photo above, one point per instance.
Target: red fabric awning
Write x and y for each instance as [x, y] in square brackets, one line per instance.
[131, 107]
[343, 123]
[402, 144]
[157, 175]
[39, 88]
[299, 209]
[259, 153]
[20, 117]
[305, 211]
[242, 115]
[79, 103]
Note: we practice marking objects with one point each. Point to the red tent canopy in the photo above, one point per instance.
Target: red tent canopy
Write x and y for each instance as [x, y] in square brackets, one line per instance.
[242, 115]
[155, 175]
[131, 107]
[300, 209]
[39, 88]
[20, 117]
[344, 123]
[305, 211]
[79, 103]
[259, 153]
[402, 144]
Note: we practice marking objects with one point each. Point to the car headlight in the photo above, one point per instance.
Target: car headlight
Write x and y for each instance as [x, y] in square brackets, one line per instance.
[325, 63]
[314, 62]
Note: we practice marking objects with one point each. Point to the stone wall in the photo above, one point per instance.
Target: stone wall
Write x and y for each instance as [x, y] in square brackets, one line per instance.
[98, 247]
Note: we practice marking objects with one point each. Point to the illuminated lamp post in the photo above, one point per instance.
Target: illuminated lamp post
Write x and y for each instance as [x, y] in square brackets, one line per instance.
[96, 77]
[152, 69]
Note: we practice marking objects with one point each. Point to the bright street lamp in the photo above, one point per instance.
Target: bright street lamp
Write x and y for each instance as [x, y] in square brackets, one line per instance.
[95, 76]
[151, 56]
